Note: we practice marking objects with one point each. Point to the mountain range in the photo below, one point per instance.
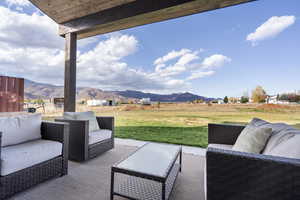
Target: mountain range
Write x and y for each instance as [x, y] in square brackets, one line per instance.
[35, 90]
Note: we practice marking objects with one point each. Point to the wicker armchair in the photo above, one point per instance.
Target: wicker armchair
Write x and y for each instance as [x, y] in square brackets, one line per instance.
[28, 177]
[80, 148]
[233, 175]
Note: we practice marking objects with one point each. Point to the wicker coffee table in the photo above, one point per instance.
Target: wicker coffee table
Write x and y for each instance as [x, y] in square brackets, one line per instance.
[147, 174]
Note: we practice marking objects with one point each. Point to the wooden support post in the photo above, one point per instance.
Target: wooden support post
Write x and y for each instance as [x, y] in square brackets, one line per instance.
[70, 73]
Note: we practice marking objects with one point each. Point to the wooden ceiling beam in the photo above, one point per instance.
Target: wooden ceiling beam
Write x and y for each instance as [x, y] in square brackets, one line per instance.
[138, 13]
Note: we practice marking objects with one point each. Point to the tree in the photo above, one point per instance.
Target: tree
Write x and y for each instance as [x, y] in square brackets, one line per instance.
[225, 99]
[244, 99]
[259, 95]
[233, 100]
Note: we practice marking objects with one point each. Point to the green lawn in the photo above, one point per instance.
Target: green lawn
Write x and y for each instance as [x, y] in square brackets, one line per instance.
[193, 136]
[187, 123]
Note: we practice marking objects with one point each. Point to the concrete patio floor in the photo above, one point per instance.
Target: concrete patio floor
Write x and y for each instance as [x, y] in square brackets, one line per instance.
[91, 180]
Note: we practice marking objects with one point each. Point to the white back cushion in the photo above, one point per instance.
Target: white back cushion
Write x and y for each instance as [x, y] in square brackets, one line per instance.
[19, 129]
[69, 115]
[89, 115]
[289, 148]
[93, 124]
[10, 128]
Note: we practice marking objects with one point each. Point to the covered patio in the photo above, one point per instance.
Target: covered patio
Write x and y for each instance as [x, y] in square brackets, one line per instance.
[79, 19]
[91, 180]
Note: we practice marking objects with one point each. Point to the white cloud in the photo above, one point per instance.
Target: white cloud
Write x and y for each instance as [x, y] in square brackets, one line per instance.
[184, 59]
[20, 29]
[214, 61]
[271, 28]
[188, 62]
[209, 63]
[31, 48]
[103, 66]
[200, 74]
[170, 56]
[18, 2]
[87, 41]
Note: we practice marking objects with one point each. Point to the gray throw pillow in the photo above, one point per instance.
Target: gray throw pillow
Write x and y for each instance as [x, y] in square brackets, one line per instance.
[252, 139]
[280, 133]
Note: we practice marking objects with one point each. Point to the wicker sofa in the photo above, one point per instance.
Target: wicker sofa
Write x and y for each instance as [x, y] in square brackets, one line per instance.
[233, 175]
[29, 163]
[82, 145]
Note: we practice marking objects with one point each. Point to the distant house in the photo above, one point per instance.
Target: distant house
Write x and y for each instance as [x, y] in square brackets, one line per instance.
[58, 102]
[233, 100]
[97, 102]
[145, 101]
[220, 101]
[274, 100]
[111, 102]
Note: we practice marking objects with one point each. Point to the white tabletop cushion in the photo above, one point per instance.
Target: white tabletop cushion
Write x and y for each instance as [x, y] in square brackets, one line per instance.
[19, 129]
[22, 156]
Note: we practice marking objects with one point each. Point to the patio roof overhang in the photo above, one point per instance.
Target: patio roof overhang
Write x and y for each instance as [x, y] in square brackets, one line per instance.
[80, 19]
[88, 18]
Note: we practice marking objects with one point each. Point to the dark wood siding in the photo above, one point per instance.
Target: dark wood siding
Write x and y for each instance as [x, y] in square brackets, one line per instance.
[11, 94]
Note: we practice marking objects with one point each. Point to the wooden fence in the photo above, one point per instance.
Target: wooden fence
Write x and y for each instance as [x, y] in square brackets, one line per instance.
[11, 94]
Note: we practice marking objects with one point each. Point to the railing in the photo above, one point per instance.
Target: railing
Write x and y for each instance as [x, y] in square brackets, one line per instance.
[11, 94]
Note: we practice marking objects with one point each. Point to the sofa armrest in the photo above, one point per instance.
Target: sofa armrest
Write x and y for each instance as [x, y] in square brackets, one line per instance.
[58, 131]
[55, 131]
[0, 151]
[236, 175]
[106, 123]
[223, 133]
[79, 138]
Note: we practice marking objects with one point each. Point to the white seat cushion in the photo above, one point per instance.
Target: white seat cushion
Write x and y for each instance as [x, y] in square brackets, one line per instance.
[221, 146]
[22, 156]
[100, 135]
[19, 129]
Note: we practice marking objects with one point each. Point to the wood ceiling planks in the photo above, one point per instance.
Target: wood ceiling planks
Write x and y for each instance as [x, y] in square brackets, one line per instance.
[92, 17]
[65, 10]
[140, 13]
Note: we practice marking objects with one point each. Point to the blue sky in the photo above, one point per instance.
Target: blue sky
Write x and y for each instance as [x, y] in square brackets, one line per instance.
[216, 57]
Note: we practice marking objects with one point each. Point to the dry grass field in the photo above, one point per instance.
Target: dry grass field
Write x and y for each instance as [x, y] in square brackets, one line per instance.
[185, 123]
